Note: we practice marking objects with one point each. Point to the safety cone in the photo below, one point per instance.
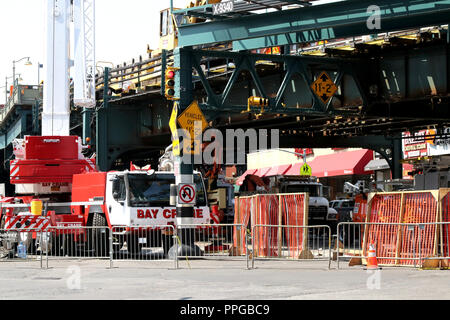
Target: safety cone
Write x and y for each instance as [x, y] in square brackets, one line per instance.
[372, 263]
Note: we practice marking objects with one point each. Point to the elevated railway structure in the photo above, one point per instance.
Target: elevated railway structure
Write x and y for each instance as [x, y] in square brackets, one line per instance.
[391, 79]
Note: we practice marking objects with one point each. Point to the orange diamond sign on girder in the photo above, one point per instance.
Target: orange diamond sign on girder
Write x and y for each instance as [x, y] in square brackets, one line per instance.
[324, 87]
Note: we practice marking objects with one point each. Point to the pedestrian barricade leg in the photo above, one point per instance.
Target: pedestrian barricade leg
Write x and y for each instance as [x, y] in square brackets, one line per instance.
[297, 243]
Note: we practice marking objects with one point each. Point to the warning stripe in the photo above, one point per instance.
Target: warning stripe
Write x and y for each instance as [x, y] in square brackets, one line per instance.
[14, 171]
[24, 223]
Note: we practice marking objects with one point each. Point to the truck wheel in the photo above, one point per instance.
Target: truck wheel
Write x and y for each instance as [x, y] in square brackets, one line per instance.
[133, 246]
[167, 243]
[100, 236]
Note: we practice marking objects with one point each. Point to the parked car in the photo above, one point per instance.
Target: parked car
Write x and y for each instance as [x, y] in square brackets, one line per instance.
[344, 208]
[332, 221]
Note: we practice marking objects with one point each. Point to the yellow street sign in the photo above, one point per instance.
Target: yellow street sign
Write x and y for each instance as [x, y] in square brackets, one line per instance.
[173, 129]
[324, 87]
[187, 121]
[306, 170]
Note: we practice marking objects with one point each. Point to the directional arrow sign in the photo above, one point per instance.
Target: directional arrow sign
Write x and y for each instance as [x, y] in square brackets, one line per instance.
[324, 87]
[306, 170]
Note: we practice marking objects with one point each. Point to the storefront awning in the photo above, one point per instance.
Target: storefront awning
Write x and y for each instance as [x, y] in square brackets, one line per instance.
[241, 179]
[278, 170]
[262, 172]
[377, 164]
[337, 164]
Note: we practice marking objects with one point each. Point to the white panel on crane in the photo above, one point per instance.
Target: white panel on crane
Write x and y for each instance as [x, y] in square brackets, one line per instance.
[56, 106]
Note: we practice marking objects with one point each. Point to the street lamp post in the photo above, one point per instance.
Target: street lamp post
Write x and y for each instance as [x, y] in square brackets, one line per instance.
[28, 63]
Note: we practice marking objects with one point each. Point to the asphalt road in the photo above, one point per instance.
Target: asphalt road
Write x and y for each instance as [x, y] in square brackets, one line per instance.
[217, 280]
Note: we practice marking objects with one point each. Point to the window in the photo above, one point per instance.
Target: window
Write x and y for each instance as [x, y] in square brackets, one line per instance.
[154, 190]
[119, 190]
[313, 190]
[164, 19]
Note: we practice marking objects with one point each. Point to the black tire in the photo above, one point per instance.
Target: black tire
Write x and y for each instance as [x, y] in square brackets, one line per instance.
[167, 243]
[133, 245]
[100, 236]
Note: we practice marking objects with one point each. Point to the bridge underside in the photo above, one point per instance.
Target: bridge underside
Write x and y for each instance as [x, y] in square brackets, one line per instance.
[382, 91]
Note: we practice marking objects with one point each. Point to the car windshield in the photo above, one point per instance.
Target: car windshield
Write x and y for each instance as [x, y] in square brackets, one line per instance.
[313, 190]
[154, 190]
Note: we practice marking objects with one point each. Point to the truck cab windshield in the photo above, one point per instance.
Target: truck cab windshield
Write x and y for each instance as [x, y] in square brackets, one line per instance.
[154, 190]
[313, 190]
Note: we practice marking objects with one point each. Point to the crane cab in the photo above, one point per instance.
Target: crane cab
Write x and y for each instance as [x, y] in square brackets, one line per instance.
[168, 35]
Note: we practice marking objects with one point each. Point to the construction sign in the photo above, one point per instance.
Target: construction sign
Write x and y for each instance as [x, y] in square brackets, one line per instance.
[324, 87]
[305, 170]
[173, 129]
[187, 121]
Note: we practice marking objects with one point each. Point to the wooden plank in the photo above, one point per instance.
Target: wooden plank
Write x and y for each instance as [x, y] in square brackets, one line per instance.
[280, 221]
[237, 218]
[399, 231]
[305, 221]
[366, 227]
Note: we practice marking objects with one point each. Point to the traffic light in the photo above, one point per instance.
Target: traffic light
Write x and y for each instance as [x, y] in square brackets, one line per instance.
[170, 83]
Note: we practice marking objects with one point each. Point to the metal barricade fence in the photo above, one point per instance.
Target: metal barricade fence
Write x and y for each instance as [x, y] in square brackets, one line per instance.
[78, 242]
[214, 241]
[152, 243]
[297, 243]
[396, 244]
[18, 245]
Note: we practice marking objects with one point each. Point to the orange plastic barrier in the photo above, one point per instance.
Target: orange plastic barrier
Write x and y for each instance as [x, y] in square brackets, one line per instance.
[266, 238]
[242, 212]
[384, 208]
[293, 208]
[276, 210]
[445, 231]
[418, 208]
[402, 241]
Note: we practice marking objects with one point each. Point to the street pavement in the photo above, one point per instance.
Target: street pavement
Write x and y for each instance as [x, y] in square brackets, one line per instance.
[215, 280]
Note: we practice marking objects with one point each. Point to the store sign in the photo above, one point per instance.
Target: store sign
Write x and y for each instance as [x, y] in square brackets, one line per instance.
[440, 146]
[415, 146]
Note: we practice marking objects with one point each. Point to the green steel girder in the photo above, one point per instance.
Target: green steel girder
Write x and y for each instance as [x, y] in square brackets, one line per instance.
[313, 23]
[306, 67]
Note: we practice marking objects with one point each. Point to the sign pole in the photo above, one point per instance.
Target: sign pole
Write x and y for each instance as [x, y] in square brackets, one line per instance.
[184, 168]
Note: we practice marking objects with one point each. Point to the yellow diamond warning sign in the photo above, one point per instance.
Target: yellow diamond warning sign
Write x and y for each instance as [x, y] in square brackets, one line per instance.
[187, 121]
[324, 87]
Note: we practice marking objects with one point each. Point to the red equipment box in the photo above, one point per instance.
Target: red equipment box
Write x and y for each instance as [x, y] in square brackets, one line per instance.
[51, 148]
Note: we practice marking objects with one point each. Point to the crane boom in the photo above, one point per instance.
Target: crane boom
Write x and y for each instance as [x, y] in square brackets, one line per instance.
[84, 76]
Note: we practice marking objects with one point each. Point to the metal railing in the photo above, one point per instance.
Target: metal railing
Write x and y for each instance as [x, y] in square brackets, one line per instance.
[396, 244]
[296, 243]
[212, 242]
[17, 245]
[151, 243]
